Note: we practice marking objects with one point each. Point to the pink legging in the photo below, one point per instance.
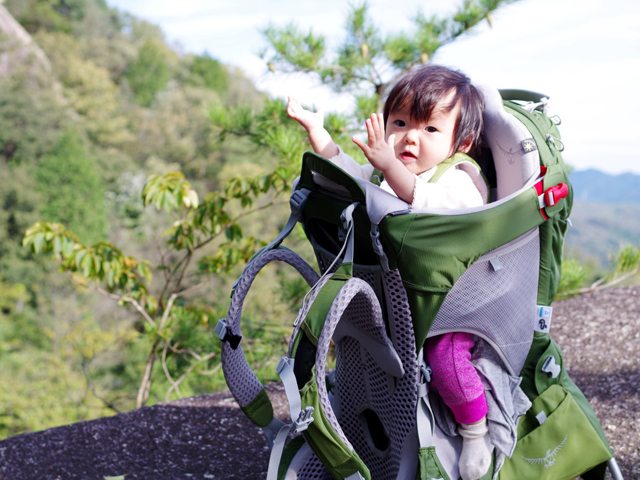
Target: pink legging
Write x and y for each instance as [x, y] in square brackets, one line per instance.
[455, 378]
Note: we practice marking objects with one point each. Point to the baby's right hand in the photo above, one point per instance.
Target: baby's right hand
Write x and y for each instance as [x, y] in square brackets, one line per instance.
[308, 119]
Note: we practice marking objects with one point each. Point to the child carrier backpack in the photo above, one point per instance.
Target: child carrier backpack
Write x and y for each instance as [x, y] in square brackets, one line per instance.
[389, 278]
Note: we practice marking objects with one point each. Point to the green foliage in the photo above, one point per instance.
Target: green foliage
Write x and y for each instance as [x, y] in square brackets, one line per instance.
[51, 15]
[71, 189]
[366, 59]
[30, 121]
[170, 323]
[11, 297]
[573, 277]
[626, 259]
[211, 73]
[149, 73]
[36, 402]
[625, 266]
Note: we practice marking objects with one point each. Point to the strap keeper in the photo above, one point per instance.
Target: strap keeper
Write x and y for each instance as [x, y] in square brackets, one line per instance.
[283, 362]
[222, 329]
[426, 372]
[298, 199]
[377, 247]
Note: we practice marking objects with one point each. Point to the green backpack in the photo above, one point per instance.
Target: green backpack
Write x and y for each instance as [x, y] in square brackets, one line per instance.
[391, 277]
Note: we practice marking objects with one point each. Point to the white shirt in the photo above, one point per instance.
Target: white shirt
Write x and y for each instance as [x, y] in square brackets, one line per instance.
[461, 186]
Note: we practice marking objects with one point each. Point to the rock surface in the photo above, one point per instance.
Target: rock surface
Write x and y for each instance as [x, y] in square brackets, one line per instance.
[208, 437]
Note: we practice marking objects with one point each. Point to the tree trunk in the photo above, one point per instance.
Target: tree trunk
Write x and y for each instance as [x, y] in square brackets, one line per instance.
[145, 384]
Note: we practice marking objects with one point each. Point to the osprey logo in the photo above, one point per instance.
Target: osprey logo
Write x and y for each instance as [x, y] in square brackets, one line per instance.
[529, 145]
[550, 458]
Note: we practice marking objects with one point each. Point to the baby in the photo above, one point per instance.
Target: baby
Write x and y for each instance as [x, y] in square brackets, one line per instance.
[434, 122]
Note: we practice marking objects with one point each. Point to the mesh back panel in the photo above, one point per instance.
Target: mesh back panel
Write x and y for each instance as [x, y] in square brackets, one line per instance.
[361, 384]
[497, 305]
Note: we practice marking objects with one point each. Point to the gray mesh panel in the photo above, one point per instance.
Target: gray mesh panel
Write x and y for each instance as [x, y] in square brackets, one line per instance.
[314, 469]
[242, 382]
[497, 305]
[361, 384]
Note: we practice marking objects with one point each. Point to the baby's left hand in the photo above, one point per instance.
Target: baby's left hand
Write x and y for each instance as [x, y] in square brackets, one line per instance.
[379, 152]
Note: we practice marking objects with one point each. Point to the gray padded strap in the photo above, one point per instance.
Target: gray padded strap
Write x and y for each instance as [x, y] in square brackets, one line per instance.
[352, 288]
[242, 382]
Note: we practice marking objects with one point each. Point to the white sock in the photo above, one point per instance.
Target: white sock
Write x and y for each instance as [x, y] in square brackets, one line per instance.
[475, 459]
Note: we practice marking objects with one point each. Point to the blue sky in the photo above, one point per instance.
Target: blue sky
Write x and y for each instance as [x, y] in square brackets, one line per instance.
[584, 54]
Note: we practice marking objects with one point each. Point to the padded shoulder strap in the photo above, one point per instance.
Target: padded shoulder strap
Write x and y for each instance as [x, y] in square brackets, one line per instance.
[242, 381]
[470, 167]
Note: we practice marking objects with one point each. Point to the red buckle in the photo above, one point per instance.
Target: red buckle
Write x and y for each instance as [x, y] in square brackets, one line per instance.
[554, 194]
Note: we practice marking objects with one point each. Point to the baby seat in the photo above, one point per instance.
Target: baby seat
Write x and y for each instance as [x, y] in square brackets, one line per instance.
[391, 277]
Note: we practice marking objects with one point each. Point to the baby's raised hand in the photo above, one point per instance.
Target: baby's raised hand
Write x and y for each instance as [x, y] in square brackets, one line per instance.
[379, 152]
[308, 119]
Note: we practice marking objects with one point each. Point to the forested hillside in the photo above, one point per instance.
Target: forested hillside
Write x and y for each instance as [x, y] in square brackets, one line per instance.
[92, 102]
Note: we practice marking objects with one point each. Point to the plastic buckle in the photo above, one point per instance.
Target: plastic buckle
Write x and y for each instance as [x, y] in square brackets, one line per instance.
[554, 194]
[550, 367]
[222, 329]
[305, 418]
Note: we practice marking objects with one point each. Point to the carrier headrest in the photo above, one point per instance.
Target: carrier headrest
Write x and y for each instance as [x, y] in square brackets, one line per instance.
[509, 140]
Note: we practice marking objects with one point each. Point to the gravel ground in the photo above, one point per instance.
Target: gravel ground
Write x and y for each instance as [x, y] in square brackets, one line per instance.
[208, 437]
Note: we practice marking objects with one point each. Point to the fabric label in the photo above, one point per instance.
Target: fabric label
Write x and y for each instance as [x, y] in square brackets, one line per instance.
[543, 318]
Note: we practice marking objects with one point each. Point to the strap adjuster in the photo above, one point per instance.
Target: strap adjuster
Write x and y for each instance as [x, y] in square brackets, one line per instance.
[222, 329]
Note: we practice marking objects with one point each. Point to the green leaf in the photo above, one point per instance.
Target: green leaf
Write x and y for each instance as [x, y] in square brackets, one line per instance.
[38, 242]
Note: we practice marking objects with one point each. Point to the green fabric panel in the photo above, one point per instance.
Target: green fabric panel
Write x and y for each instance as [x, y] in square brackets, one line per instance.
[428, 304]
[553, 231]
[535, 382]
[314, 321]
[433, 251]
[562, 447]
[289, 452]
[429, 466]
[323, 440]
[316, 163]
[259, 410]
[551, 242]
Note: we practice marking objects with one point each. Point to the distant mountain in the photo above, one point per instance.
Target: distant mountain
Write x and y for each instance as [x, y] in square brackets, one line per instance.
[598, 229]
[594, 186]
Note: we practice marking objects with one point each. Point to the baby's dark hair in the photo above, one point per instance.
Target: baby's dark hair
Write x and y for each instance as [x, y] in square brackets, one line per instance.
[421, 90]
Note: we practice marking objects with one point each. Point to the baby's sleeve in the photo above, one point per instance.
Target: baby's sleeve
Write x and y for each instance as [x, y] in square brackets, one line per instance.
[349, 165]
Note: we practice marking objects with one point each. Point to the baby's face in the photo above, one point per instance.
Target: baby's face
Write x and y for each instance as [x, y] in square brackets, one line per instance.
[421, 146]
